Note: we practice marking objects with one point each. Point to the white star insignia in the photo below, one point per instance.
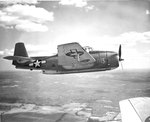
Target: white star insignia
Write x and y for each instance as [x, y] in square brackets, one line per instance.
[37, 63]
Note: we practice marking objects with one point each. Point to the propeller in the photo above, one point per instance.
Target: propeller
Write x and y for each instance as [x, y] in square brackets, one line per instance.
[120, 59]
[120, 53]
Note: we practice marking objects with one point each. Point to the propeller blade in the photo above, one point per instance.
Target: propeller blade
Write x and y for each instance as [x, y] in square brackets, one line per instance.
[120, 59]
[119, 53]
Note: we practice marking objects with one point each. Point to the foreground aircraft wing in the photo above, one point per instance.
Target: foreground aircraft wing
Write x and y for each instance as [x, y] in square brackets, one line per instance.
[73, 53]
[135, 109]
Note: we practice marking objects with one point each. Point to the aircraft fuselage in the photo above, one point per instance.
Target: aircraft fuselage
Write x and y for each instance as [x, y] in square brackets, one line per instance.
[104, 60]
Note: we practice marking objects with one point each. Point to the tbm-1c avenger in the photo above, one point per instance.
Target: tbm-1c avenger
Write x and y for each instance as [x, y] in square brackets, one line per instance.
[71, 58]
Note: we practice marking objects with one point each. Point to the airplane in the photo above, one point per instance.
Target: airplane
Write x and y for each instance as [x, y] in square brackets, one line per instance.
[71, 58]
[135, 109]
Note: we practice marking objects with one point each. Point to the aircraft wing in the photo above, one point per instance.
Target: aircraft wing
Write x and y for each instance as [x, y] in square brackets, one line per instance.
[135, 109]
[73, 53]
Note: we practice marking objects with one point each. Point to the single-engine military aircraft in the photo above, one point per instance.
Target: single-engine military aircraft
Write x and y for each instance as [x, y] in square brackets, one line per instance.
[71, 58]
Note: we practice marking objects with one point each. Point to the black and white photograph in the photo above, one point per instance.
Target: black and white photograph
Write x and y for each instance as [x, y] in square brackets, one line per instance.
[74, 60]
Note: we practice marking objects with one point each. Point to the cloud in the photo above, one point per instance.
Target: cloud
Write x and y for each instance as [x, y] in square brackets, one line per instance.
[6, 52]
[29, 11]
[147, 12]
[147, 53]
[6, 2]
[32, 50]
[25, 18]
[88, 8]
[1, 53]
[106, 42]
[31, 27]
[132, 38]
[77, 3]
[40, 50]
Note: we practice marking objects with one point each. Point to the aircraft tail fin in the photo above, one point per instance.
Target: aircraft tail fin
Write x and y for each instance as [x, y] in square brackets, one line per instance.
[20, 50]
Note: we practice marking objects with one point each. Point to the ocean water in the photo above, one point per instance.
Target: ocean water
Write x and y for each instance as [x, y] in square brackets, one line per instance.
[101, 91]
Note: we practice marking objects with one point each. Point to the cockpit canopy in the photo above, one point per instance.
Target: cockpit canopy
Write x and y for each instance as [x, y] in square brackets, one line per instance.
[88, 48]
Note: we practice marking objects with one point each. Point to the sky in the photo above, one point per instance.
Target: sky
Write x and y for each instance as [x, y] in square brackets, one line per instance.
[101, 24]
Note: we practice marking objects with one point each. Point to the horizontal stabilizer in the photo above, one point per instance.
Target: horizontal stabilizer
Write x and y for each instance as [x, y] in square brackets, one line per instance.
[17, 58]
[135, 109]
